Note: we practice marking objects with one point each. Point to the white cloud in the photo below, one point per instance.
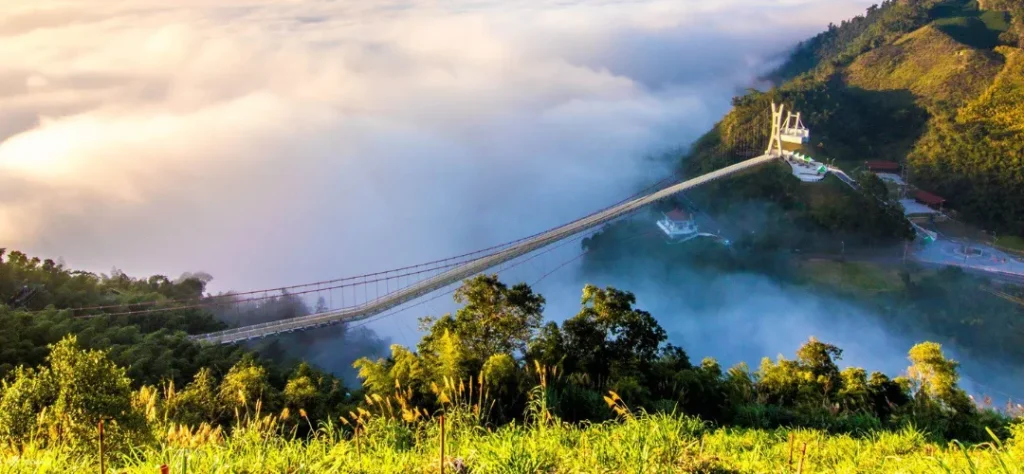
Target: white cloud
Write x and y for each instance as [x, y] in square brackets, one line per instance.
[271, 143]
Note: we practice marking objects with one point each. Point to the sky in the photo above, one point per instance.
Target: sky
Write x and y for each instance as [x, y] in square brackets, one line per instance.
[271, 143]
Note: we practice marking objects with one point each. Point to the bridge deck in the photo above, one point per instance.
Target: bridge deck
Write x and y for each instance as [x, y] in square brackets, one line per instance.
[470, 268]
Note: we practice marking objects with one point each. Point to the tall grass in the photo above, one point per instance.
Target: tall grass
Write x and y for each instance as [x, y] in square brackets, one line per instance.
[382, 442]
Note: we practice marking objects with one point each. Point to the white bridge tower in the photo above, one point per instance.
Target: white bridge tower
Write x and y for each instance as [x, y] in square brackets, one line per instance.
[790, 129]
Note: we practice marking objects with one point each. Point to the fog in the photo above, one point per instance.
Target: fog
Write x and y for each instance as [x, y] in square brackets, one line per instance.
[272, 143]
[276, 143]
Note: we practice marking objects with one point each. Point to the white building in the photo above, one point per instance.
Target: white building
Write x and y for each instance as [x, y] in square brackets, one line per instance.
[678, 224]
[805, 168]
[790, 129]
[794, 131]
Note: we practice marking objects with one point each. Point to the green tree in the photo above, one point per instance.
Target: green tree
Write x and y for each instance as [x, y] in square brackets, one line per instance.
[935, 377]
[246, 388]
[609, 336]
[197, 403]
[495, 318]
[64, 401]
[817, 360]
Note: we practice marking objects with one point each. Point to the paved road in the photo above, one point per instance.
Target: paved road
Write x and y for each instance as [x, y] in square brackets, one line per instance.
[981, 259]
[896, 258]
[844, 177]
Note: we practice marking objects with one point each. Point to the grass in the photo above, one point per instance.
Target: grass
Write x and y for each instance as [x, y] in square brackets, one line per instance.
[979, 31]
[660, 443]
[970, 25]
[1010, 242]
[851, 276]
[931, 62]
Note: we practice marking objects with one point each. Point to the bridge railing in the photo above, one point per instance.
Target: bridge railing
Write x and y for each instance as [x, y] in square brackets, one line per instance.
[475, 266]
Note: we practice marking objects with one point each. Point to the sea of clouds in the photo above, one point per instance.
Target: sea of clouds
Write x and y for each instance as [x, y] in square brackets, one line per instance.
[277, 142]
[280, 142]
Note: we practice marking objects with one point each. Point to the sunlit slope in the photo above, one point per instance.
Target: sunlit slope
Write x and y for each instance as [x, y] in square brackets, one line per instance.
[976, 155]
[930, 64]
[934, 85]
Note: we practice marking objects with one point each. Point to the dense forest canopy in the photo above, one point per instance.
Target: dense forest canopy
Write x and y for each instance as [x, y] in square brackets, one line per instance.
[143, 372]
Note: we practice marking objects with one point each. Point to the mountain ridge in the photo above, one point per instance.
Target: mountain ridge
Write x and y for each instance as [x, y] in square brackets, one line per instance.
[933, 84]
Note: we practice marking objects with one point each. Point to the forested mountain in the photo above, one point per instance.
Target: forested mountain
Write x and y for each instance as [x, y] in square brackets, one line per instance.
[937, 85]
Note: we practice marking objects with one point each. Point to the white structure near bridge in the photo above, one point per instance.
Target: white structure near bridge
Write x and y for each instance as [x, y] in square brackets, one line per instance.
[790, 129]
[678, 224]
[805, 168]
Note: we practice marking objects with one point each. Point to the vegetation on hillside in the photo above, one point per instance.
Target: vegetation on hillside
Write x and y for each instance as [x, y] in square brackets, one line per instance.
[976, 154]
[44, 302]
[965, 312]
[492, 368]
[933, 84]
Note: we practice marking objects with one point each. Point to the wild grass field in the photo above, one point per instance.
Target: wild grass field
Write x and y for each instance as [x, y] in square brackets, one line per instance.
[634, 443]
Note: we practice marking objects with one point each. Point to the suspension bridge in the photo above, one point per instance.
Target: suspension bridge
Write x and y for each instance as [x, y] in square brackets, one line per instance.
[421, 280]
[787, 129]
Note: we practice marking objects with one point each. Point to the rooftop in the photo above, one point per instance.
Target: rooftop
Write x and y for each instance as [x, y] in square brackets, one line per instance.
[678, 215]
[926, 197]
[912, 208]
[891, 178]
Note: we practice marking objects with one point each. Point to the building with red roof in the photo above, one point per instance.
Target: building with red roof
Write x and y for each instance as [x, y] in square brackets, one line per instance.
[678, 215]
[678, 224]
[929, 199]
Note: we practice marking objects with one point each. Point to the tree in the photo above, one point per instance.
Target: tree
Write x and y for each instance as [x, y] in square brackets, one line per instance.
[321, 306]
[196, 404]
[547, 348]
[303, 389]
[609, 336]
[496, 319]
[64, 401]
[818, 360]
[935, 377]
[245, 387]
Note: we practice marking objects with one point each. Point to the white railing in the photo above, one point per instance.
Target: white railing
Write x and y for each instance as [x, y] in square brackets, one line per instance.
[470, 268]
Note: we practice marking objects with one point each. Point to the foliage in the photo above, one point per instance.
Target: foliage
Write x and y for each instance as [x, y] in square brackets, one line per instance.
[974, 157]
[63, 402]
[881, 24]
[43, 299]
[609, 346]
[933, 84]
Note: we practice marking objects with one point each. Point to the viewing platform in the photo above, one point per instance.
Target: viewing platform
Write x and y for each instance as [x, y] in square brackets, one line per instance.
[805, 168]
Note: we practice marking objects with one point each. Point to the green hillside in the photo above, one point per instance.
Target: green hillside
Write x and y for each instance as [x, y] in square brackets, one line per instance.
[935, 85]
[929, 63]
[603, 391]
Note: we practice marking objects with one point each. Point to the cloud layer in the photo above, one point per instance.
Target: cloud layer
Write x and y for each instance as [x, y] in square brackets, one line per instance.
[278, 142]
